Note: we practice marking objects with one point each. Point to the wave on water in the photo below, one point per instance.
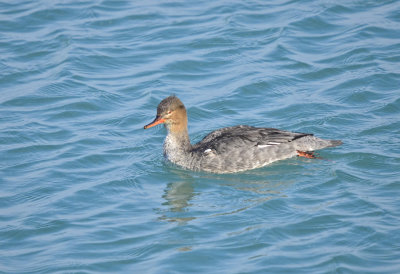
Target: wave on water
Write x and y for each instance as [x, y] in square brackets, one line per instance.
[85, 189]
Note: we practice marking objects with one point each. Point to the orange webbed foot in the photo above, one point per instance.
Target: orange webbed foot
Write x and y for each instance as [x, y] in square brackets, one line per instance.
[307, 154]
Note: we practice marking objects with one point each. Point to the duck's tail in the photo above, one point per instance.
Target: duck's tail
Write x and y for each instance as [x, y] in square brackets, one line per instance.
[335, 143]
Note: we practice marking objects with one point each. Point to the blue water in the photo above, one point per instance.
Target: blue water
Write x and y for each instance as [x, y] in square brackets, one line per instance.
[83, 188]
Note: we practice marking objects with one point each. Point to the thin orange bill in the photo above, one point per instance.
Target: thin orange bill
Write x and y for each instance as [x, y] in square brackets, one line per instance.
[156, 121]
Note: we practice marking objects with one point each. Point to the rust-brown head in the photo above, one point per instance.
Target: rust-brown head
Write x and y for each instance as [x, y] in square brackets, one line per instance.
[172, 113]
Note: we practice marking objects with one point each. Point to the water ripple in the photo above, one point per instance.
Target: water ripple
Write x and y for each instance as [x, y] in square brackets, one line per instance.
[85, 189]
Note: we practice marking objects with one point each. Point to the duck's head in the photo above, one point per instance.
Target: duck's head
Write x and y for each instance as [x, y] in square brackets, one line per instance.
[172, 113]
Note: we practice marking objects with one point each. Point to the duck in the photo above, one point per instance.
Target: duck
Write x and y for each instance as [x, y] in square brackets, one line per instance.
[230, 149]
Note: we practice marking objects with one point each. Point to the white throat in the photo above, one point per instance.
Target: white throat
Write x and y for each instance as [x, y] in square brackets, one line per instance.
[175, 149]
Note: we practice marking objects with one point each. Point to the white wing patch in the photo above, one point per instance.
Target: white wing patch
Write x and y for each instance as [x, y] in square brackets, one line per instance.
[273, 143]
[268, 145]
[208, 150]
[261, 146]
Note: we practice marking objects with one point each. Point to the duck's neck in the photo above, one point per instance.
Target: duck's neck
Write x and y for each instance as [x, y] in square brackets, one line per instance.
[177, 143]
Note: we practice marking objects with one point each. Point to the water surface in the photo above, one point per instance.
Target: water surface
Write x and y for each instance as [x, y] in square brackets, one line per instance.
[83, 188]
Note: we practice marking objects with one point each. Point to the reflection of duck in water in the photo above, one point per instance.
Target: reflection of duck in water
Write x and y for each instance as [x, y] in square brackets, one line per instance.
[230, 149]
[189, 198]
[178, 195]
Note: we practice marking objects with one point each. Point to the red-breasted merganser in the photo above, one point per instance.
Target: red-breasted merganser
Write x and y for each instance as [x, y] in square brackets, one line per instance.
[230, 149]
